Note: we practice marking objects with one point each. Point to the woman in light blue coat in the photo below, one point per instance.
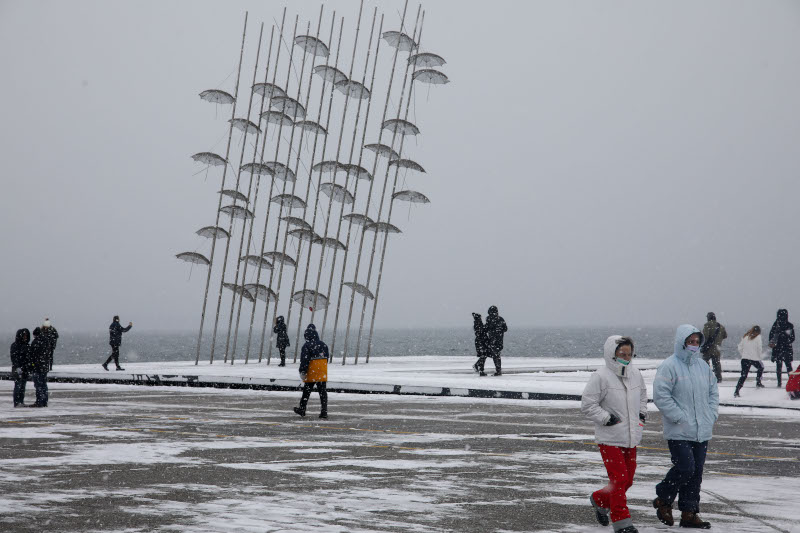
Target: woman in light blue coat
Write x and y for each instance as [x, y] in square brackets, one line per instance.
[685, 391]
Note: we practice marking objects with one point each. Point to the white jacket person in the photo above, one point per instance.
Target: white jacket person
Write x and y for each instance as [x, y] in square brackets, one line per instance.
[618, 390]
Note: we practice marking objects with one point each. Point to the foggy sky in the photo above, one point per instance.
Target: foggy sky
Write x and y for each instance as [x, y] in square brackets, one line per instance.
[591, 163]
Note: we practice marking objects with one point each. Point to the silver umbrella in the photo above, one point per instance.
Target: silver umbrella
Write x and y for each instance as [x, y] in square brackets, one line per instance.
[330, 242]
[209, 158]
[360, 289]
[337, 192]
[262, 292]
[279, 257]
[383, 150]
[288, 200]
[430, 76]
[304, 234]
[426, 60]
[241, 291]
[217, 97]
[281, 171]
[411, 196]
[353, 89]
[268, 90]
[257, 168]
[277, 117]
[358, 219]
[256, 261]
[308, 298]
[297, 221]
[382, 227]
[407, 163]
[290, 106]
[235, 211]
[311, 127]
[193, 257]
[244, 125]
[210, 232]
[331, 74]
[403, 127]
[312, 45]
[399, 40]
[359, 172]
[236, 195]
[329, 166]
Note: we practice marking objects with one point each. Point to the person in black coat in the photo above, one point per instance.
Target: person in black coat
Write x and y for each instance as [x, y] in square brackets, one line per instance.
[41, 360]
[481, 343]
[313, 371]
[20, 365]
[283, 338]
[781, 337]
[115, 331]
[49, 339]
[495, 329]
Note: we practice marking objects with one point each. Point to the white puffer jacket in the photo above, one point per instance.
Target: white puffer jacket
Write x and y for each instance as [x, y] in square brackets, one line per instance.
[620, 390]
[752, 349]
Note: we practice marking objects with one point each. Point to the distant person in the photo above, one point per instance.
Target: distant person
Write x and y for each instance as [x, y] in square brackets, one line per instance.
[495, 328]
[685, 391]
[713, 333]
[283, 338]
[781, 337]
[615, 399]
[41, 360]
[115, 331]
[481, 343]
[313, 371]
[20, 365]
[751, 349]
[49, 339]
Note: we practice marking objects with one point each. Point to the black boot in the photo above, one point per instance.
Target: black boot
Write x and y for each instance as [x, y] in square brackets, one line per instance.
[299, 411]
[759, 385]
[600, 514]
[629, 529]
[736, 393]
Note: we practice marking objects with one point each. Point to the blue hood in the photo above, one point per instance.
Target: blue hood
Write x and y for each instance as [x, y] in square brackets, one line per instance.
[683, 332]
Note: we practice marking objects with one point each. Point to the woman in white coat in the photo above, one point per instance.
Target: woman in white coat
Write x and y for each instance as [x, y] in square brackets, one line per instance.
[751, 349]
[615, 399]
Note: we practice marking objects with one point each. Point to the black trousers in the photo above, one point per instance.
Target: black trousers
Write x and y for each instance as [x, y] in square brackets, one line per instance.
[20, 380]
[42, 392]
[114, 356]
[495, 358]
[778, 363]
[282, 351]
[322, 388]
[746, 364]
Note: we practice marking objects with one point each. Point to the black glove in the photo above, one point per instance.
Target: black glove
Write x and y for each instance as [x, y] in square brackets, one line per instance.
[613, 420]
[642, 417]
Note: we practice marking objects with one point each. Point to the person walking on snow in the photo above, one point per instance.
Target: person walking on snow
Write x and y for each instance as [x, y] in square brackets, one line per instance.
[713, 333]
[781, 337]
[115, 331]
[495, 328]
[48, 338]
[481, 343]
[20, 365]
[313, 371]
[685, 391]
[615, 399]
[283, 338]
[751, 349]
[41, 361]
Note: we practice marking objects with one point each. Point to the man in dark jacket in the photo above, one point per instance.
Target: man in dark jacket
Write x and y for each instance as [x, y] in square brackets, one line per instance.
[41, 360]
[481, 343]
[713, 333]
[495, 328]
[20, 365]
[781, 337]
[49, 338]
[313, 371]
[115, 331]
[283, 338]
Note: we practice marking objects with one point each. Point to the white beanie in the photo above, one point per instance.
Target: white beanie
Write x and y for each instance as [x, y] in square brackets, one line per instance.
[46, 323]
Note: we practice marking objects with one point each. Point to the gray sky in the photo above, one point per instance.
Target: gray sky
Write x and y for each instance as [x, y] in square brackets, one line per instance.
[590, 163]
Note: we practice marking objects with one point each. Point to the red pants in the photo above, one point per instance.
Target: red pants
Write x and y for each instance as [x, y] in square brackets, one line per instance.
[621, 466]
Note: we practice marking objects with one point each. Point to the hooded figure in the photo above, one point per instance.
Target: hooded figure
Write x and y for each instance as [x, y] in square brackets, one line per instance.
[41, 360]
[495, 328]
[115, 331]
[685, 391]
[713, 334]
[20, 365]
[48, 338]
[615, 399]
[781, 337]
[313, 370]
[283, 338]
[481, 343]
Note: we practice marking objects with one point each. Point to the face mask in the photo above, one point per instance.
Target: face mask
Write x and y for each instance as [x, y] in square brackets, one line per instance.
[623, 362]
[693, 349]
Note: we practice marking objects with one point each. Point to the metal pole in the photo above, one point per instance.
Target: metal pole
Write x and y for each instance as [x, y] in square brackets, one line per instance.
[216, 224]
[338, 152]
[230, 226]
[280, 130]
[355, 190]
[310, 172]
[316, 199]
[272, 182]
[254, 206]
[391, 204]
[382, 196]
[346, 183]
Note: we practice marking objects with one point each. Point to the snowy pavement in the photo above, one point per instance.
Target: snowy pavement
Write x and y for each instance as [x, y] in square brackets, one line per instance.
[132, 459]
[524, 378]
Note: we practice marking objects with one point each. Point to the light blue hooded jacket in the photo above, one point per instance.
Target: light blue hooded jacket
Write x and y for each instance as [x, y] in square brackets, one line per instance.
[685, 391]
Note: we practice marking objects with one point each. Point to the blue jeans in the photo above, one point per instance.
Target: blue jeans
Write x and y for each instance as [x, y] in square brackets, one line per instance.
[40, 382]
[684, 478]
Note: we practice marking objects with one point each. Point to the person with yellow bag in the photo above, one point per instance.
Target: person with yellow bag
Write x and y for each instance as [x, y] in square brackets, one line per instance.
[313, 371]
